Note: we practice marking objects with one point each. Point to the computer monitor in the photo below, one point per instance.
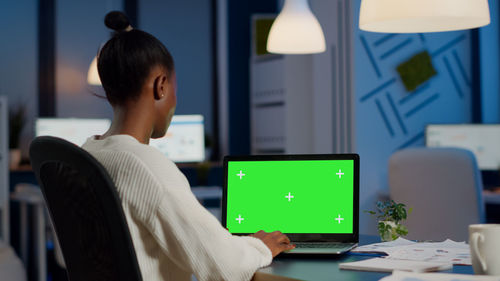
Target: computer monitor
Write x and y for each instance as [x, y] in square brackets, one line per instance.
[184, 140]
[482, 139]
[75, 130]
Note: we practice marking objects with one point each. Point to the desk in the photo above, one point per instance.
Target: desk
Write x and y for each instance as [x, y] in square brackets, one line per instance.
[328, 268]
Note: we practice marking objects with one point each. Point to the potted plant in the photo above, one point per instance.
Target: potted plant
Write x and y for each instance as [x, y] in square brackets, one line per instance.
[17, 120]
[390, 215]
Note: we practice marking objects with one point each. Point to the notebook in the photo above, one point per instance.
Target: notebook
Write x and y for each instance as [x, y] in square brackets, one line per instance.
[314, 199]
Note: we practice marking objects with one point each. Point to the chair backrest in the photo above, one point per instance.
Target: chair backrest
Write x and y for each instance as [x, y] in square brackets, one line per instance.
[444, 188]
[86, 212]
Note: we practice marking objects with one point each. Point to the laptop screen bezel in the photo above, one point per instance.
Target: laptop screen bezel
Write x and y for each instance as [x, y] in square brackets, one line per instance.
[303, 237]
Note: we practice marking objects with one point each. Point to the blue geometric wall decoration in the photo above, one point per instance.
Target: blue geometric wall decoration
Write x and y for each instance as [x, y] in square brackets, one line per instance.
[385, 50]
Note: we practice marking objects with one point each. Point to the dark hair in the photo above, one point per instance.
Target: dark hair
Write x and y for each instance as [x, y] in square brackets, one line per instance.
[126, 60]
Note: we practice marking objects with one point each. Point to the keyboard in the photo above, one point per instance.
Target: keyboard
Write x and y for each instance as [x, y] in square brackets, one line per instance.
[321, 245]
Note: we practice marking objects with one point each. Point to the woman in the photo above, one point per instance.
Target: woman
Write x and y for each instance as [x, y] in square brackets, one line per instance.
[173, 235]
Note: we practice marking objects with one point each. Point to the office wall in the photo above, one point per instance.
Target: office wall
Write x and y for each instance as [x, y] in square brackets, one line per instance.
[310, 108]
[389, 118]
[239, 33]
[333, 79]
[19, 56]
[184, 27]
[80, 31]
[490, 66]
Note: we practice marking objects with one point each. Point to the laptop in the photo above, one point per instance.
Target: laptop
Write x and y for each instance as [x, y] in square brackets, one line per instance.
[313, 199]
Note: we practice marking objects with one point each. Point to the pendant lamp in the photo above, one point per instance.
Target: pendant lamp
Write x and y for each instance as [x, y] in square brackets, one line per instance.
[416, 16]
[296, 30]
[93, 75]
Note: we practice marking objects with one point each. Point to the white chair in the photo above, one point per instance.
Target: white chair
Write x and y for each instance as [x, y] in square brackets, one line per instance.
[444, 188]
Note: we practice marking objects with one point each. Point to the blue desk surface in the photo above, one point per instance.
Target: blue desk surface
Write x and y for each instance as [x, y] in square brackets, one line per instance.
[328, 268]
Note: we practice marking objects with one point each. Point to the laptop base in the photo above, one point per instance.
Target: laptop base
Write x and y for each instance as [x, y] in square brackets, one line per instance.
[337, 249]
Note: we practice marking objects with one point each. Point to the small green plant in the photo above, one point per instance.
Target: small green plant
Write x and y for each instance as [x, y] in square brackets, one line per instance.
[390, 215]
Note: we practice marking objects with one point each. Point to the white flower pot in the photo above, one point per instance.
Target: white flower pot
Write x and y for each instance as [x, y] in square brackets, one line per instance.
[388, 235]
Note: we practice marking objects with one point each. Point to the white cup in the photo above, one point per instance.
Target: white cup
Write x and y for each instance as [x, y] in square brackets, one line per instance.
[484, 241]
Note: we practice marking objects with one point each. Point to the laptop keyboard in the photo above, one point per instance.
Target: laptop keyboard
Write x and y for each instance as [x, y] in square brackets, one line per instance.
[321, 245]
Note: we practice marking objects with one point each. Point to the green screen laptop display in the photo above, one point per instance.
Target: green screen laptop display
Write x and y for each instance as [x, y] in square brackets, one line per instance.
[293, 196]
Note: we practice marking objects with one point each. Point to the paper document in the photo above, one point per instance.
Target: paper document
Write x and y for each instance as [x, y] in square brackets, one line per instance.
[405, 276]
[389, 265]
[446, 252]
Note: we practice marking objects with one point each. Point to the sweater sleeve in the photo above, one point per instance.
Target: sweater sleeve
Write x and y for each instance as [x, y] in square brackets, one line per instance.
[196, 241]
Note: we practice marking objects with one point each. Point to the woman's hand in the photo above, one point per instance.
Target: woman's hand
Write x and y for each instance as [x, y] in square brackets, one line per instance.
[276, 241]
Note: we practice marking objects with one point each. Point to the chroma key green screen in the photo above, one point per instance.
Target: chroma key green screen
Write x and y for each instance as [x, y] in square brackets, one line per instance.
[294, 196]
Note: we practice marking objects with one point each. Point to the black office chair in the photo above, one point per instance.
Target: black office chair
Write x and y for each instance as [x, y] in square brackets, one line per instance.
[86, 212]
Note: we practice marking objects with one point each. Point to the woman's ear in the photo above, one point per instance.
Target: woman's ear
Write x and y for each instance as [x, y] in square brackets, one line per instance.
[160, 87]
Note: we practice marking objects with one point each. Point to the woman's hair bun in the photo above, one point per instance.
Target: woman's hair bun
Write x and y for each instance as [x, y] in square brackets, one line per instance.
[117, 21]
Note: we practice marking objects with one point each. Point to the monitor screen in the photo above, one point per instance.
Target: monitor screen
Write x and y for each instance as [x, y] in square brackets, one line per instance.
[293, 196]
[184, 140]
[75, 130]
[482, 140]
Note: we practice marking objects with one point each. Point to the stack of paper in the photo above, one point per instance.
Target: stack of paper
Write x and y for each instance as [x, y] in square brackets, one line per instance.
[389, 265]
[405, 276]
[401, 249]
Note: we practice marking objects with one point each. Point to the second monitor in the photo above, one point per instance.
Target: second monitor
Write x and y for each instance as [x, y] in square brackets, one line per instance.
[184, 140]
[482, 139]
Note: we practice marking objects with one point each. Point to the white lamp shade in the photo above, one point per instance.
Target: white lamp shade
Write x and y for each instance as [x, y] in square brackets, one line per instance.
[296, 31]
[415, 16]
[93, 75]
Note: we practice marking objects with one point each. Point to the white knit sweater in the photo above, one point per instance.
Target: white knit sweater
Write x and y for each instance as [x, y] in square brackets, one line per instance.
[173, 235]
